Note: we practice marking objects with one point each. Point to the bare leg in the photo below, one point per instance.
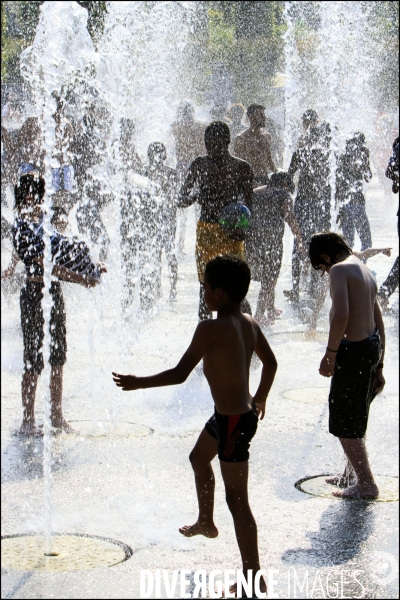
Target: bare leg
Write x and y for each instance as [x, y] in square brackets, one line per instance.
[266, 299]
[365, 487]
[28, 392]
[200, 457]
[262, 301]
[235, 476]
[56, 389]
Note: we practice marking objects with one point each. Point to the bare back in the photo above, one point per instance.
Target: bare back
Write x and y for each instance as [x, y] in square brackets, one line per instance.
[227, 362]
[360, 284]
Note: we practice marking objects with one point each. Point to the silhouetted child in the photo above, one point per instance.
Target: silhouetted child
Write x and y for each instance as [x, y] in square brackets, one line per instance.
[167, 187]
[226, 345]
[352, 170]
[71, 262]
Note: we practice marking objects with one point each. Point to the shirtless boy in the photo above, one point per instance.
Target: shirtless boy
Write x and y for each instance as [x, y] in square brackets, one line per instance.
[226, 344]
[354, 354]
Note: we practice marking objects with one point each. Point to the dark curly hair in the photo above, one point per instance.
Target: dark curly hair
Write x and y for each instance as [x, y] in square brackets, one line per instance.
[29, 185]
[231, 274]
[330, 243]
[217, 130]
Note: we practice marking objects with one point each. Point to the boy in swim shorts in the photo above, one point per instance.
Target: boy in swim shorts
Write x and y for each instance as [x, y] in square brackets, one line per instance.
[354, 354]
[226, 345]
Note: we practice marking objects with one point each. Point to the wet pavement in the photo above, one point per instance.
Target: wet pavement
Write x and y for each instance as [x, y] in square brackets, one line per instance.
[132, 481]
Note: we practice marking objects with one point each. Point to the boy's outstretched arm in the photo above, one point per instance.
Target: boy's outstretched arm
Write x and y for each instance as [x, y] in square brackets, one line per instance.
[270, 365]
[193, 355]
[370, 252]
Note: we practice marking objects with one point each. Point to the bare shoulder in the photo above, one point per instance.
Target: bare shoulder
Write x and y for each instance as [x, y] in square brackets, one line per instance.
[261, 191]
[242, 135]
[252, 323]
[340, 269]
[240, 165]
[206, 327]
[346, 267]
[349, 269]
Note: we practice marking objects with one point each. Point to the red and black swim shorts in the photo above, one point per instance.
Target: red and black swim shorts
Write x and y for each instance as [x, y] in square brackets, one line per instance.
[233, 434]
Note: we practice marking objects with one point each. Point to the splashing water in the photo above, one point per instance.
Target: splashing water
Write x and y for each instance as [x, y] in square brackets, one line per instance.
[149, 40]
[61, 53]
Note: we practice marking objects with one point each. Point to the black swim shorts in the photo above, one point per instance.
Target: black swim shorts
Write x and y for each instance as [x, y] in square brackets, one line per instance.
[32, 323]
[233, 434]
[352, 389]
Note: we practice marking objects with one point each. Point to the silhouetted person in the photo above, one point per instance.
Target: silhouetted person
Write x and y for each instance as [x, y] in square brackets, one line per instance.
[188, 136]
[254, 145]
[392, 280]
[129, 156]
[71, 262]
[272, 207]
[277, 143]
[131, 200]
[236, 114]
[89, 148]
[23, 153]
[312, 203]
[167, 182]
[219, 179]
[309, 121]
[386, 129]
[352, 169]
[63, 175]
[24, 149]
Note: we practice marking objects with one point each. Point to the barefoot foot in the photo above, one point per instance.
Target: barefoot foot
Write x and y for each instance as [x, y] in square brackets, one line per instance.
[29, 429]
[341, 481]
[368, 491]
[205, 529]
[63, 426]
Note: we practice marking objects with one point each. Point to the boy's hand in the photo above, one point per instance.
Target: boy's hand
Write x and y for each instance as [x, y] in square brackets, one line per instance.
[126, 382]
[387, 251]
[379, 382]
[260, 407]
[327, 366]
[90, 282]
[102, 267]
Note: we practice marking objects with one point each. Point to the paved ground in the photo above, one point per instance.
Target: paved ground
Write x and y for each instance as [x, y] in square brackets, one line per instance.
[140, 489]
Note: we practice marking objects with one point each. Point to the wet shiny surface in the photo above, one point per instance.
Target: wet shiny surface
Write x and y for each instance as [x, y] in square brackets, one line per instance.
[317, 486]
[69, 553]
[139, 490]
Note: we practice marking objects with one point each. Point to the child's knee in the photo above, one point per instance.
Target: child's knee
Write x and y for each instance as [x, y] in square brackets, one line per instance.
[234, 502]
[194, 461]
[197, 463]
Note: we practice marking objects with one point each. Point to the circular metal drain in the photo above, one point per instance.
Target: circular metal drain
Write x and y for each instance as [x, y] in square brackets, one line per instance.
[102, 429]
[309, 395]
[299, 336]
[71, 552]
[317, 486]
